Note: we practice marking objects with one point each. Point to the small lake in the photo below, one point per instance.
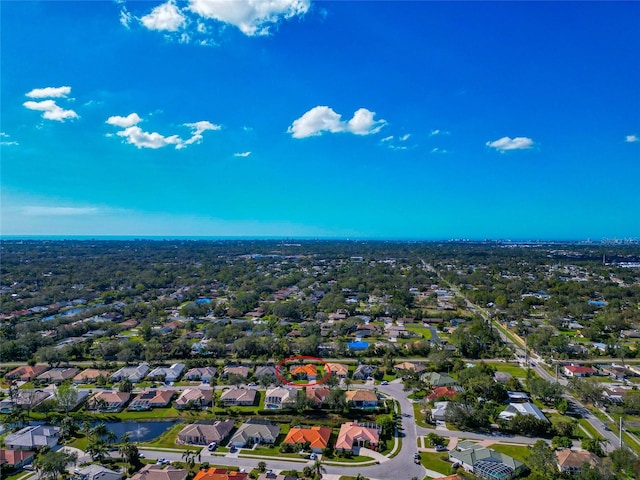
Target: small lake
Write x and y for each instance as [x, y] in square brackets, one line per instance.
[140, 431]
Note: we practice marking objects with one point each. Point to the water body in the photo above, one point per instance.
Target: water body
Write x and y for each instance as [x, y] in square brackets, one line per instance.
[141, 431]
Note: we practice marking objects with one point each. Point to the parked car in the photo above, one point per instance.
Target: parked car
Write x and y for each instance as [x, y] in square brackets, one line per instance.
[313, 456]
[212, 446]
[440, 448]
[28, 467]
[384, 383]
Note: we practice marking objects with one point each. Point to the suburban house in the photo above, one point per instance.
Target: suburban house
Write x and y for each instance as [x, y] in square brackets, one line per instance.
[90, 375]
[614, 394]
[151, 398]
[194, 398]
[436, 379]
[278, 397]
[362, 398]
[203, 374]
[363, 372]
[26, 373]
[265, 371]
[502, 377]
[308, 371]
[33, 437]
[410, 367]
[485, 462]
[26, 399]
[96, 472]
[16, 459]
[167, 374]
[239, 396]
[518, 396]
[133, 374]
[353, 434]
[318, 395]
[444, 392]
[570, 461]
[220, 474]
[240, 370]
[160, 472]
[578, 371]
[108, 401]
[318, 437]
[276, 476]
[255, 431]
[57, 375]
[439, 411]
[341, 370]
[526, 408]
[204, 434]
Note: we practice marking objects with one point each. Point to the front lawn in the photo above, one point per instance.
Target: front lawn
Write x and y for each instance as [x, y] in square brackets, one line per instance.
[168, 440]
[437, 462]
[518, 452]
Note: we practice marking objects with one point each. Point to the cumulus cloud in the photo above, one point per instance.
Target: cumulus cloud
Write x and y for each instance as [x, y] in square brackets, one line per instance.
[252, 17]
[51, 111]
[242, 154]
[45, 211]
[165, 17]
[134, 135]
[323, 119]
[49, 92]
[124, 122]
[505, 143]
[632, 139]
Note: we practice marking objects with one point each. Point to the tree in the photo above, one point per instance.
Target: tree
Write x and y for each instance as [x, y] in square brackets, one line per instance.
[542, 461]
[588, 391]
[97, 448]
[593, 445]
[262, 466]
[189, 456]
[125, 385]
[66, 397]
[435, 439]
[318, 468]
[337, 399]
[561, 442]
[549, 393]
[51, 464]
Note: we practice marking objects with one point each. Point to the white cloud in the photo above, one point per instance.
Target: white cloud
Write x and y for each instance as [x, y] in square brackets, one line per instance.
[197, 129]
[242, 154]
[505, 143]
[124, 122]
[437, 131]
[125, 18]
[165, 17]
[134, 135]
[387, 139]
[323, 119]
[45, 211]
[7, 142]
[51, 110]
[252, 17]
[632, 139]
[439, 150]
[405, 137]
[49, 92]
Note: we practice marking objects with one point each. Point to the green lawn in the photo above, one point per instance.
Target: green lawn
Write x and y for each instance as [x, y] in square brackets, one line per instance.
[168, 440]
[587, 426]
[419, 416]
[356, 459]
[436, 461]
[518, 452]
[511, 368]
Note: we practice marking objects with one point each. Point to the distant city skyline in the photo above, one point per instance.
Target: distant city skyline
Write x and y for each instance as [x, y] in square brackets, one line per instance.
[302, 119]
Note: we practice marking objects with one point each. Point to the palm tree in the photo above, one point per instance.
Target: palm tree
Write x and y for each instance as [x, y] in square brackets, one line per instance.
[262, 466]
[318, 468]
[97, 449]
[128, 451]
[189, 457]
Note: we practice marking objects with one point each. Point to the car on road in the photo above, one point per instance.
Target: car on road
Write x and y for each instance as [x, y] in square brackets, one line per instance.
[252, 384]
[313, 456]
[233, 449]
[140, 455]
[384, 383]
[416, 457]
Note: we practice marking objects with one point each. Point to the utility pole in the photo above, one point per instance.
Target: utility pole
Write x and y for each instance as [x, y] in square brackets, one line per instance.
[620, 433]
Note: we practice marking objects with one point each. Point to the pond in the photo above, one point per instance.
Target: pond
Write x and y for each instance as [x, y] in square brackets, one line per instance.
[140, 431]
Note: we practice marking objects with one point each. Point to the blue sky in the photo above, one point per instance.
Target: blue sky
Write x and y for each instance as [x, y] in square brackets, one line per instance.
[412, 120]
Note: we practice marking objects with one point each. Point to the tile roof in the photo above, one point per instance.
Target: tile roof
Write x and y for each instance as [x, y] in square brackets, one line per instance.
[352, 432]
[317, 436]
[220, 474]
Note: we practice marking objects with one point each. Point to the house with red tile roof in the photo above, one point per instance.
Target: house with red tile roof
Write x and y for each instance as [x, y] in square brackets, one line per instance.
[308, 371]
[90, 375]
[353, 434]
[444, 392]
[318, 437]
[26, 373]
[318, 395]
[194, 398]
[108, 401]
[578, 371]
[362, 398]
[152, 398]
[15, 459]
[220, 474]
[341, 370]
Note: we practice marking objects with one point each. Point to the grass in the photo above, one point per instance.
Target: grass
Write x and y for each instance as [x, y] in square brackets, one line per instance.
[518, 452]
[437, 462]
[168, 440]
[80, 443]
[419, 416]
[269, 452]
[18, 475]
[356, 459]
[513, 369]
[587, 426]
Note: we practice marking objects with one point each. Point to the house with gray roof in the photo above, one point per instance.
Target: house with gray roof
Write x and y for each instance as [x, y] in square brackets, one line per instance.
[33, 437]
[265, 370]
[57, 375]
[485, 462]
[134, 374]
[255, 431]
[95, 472]
[526, 408]
[167, 374]
[239, 396]
[204, 434]
[204, 374]
[436, 379]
